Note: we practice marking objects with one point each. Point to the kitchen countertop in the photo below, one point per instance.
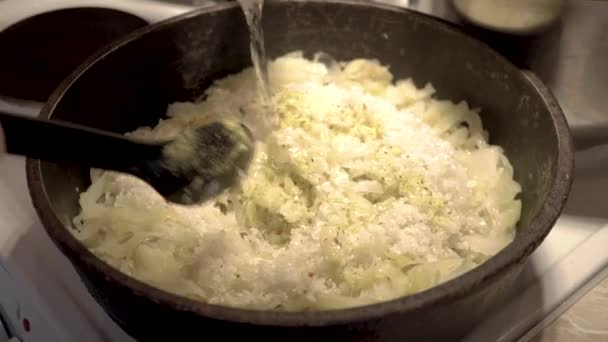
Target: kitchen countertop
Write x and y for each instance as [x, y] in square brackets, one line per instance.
[572, 59]
[586, 320]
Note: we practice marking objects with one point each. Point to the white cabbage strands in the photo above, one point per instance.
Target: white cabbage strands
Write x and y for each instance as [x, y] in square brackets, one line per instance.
[367, 190]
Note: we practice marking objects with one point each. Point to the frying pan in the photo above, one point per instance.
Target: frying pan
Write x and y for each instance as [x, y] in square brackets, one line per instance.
[130, 83]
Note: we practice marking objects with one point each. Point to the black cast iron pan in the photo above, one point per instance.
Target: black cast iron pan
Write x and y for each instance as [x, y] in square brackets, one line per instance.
[177, 59]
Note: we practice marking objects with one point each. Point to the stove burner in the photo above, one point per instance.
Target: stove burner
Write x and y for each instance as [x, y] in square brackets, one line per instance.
[40, 51]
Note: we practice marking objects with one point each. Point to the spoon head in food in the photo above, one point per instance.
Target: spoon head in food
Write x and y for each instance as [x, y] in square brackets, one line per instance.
[202, 162]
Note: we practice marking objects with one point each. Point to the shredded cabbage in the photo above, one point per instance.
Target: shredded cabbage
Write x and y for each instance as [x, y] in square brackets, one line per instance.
[367, 190]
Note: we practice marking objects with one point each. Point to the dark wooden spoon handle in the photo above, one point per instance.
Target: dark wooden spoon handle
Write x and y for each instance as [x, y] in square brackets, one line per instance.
[57, 141]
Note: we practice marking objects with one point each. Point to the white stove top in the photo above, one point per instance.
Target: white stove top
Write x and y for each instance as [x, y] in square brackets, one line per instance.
[38, 284]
